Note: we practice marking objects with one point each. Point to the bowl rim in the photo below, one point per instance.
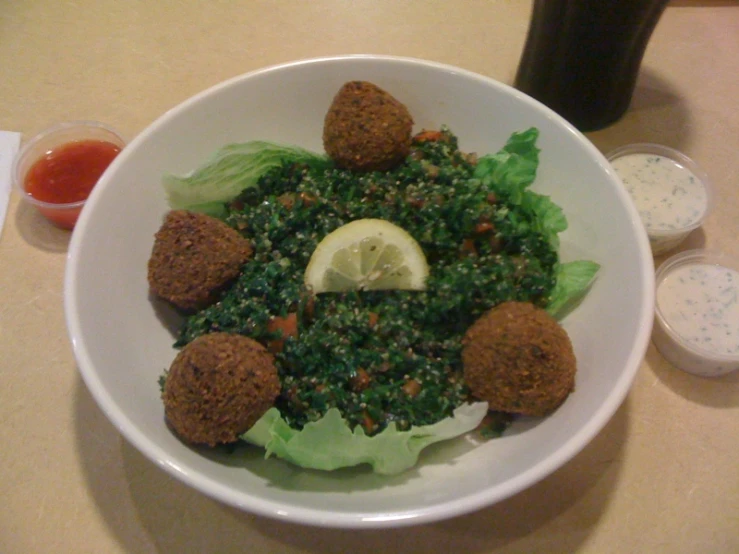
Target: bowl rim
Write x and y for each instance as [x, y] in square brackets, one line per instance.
[341, 519]
[18, 179]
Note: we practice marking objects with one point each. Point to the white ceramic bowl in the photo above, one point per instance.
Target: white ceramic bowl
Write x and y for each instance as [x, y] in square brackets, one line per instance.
[122, 345]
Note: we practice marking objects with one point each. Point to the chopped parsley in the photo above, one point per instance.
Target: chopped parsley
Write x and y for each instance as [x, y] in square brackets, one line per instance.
[379, 356]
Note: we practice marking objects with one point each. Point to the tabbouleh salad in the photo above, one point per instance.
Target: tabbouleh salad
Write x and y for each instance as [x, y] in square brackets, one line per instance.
[363, 351]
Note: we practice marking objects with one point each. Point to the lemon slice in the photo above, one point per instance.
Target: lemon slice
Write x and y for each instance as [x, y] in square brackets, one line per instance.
[367, 254]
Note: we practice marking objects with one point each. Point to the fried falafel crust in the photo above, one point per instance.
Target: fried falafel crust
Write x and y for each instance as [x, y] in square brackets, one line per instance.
[366, 128]
[217, 387]
[194, 256]
[519, 359]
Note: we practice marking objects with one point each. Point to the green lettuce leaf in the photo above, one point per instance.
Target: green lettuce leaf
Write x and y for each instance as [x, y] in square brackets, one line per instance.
[573, 281]
[232, 169]
[329, 443]
[548, 218]
[511, 170]
[508, 174]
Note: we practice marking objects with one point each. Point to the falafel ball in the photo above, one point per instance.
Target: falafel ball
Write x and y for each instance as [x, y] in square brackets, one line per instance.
[217, 387]
[519, 359]
[367, 129]
[194, 256]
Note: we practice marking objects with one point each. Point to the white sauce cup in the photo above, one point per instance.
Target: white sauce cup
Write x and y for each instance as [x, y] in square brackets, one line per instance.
[697, 312]
[670, 207]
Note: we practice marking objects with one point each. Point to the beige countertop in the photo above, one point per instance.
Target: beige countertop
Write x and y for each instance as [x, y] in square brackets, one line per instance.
[662, 476]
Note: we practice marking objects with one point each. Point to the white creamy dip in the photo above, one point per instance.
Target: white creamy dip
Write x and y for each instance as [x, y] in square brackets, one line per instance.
[668, 195]
[700, 302]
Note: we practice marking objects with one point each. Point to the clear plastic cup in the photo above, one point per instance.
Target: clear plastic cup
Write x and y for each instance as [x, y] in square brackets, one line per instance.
[697, 312]
[63, 215]
[673, 194]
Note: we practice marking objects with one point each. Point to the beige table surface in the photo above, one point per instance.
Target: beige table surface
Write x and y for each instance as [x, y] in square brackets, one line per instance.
[663, 476]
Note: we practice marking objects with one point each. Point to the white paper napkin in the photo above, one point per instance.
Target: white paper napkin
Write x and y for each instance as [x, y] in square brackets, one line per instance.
[9, 144]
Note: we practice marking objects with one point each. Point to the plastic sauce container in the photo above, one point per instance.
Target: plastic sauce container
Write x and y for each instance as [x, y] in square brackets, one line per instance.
[697, 312]
[57, 169]
[672, 194]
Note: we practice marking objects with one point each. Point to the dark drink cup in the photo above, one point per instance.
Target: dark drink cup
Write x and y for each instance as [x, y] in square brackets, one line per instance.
[582, 57]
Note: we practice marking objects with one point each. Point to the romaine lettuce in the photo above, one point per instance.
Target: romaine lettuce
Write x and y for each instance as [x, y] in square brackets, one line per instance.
[329, 443]
[512, 169]
[508, 174]
[232, 169]
[573, 281]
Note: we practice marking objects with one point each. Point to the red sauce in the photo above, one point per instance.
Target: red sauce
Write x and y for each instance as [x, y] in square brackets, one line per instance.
[69, 172]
